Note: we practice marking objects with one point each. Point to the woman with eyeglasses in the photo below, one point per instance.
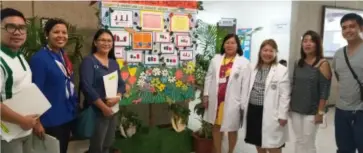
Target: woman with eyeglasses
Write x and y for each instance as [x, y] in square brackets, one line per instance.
[53, 74]
[100, 63]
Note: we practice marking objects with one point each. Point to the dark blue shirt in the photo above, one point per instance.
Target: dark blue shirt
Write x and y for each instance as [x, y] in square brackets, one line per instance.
[50, 79]
[91, 78]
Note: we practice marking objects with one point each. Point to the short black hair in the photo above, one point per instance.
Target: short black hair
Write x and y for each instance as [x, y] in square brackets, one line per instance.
[239, 48]
[9, 12]
[352, 16]
[51, 23]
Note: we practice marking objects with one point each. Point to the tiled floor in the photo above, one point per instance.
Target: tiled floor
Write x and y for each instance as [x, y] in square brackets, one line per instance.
[325, 138]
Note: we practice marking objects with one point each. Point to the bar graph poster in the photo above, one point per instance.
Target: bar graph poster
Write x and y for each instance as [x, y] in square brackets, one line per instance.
[245, 38]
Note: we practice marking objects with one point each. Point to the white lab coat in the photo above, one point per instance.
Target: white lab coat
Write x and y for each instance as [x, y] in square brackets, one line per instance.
[237, 86]
[275, 106]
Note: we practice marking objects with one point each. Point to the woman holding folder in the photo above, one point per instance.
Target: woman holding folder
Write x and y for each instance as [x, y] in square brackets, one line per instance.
[53, 74]
[93, 69]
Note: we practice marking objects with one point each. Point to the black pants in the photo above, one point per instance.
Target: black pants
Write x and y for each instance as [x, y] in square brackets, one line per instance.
[62, 133]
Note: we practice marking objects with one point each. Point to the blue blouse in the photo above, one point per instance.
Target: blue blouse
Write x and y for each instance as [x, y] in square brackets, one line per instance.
[50, 79]
[91, 77]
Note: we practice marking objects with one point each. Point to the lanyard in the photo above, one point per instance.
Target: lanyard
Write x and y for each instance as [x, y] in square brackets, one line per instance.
[68, 75]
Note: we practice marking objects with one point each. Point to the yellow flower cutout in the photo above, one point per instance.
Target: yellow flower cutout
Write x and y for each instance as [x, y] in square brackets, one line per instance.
[189, 68]
[160, 87]
[155, 82]
[184, 87]
[120, 62]
[179, 84]
[132, 71]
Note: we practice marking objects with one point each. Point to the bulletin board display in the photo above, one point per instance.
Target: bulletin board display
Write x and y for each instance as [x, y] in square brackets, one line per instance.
[155, 48]
[245, 42]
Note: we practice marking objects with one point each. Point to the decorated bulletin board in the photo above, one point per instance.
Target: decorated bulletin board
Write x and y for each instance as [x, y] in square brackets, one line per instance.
[155, 47]
[246, 42]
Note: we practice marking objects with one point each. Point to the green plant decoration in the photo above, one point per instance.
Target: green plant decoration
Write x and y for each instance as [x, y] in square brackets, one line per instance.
[36, 39]
[180, 115]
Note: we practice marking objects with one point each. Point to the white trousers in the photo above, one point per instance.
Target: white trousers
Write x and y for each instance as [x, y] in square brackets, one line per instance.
[305, 131]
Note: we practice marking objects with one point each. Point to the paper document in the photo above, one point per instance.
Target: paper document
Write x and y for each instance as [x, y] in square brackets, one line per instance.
[111, 83]
[48, 145]
[30, 100]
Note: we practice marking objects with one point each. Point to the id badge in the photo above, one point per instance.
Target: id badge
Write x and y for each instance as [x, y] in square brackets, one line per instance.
[222, 80]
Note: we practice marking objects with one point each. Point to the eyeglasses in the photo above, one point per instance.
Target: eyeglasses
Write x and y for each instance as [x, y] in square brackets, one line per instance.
[105, 40]
[12, 28]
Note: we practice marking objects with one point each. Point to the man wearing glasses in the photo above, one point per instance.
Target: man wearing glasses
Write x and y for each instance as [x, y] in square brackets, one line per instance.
[15, 74]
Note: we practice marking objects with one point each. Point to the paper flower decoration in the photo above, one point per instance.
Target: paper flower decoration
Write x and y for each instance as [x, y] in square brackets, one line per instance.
[178, 83]
[178, 74]
[155, 81]
[189, 68]
[124, 75]
[156, 71]
[160, 87]
[165, 72]
[171, 79]
[132, 80]
[132, 71]
[191, 79]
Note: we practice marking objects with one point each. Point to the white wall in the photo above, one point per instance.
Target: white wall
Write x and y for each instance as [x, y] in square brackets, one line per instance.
[253, 14]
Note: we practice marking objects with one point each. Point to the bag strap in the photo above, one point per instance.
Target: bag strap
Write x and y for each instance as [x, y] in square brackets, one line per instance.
[94, 80]
[350, 67]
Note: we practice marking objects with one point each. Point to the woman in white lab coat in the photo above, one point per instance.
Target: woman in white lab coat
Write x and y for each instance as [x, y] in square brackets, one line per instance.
[268, 101]
[223, 87]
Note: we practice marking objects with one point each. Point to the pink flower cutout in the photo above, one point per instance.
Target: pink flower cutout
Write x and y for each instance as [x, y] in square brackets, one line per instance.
[152, 89]
[149, 72]
[137, 101]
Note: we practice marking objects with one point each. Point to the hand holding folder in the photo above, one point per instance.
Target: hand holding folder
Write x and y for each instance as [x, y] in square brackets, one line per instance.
[28, 101]
[111, 82]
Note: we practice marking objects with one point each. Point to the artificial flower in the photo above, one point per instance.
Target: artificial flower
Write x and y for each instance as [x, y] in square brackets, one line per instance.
[148, 79]
[184, 87]
[171, 79]
[164, 79]
[179, 83]
[142, 77]
[155, 81]
[156, 71]
[149, 72]
[124, 75]
[191, 79]
[165, 72]
[160, 87]
[189, 68]
[132, 80]
[152, 89]
[141, 83]
[178, 74]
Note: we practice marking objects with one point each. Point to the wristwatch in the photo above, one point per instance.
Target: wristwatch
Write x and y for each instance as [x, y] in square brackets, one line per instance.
[321, 112]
